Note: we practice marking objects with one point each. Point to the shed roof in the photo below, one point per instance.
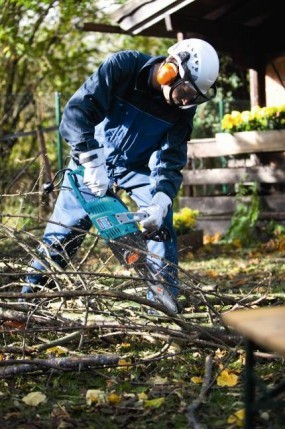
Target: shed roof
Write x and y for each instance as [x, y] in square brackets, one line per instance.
[250, 31]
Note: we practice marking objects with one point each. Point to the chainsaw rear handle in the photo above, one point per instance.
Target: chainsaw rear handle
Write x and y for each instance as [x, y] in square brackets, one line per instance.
[72, 176]
[123, 218]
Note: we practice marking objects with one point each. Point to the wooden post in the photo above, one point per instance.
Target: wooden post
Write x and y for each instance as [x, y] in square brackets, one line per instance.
[46, 167]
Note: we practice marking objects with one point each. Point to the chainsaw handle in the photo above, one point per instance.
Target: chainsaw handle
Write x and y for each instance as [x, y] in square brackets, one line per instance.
[139, 216]
[161, 234]
[72, 176]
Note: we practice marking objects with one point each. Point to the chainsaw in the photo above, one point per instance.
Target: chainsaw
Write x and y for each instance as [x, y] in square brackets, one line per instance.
[119, 229]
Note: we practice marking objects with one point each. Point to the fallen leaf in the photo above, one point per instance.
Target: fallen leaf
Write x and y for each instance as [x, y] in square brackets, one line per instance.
[95, 396]
[175, 348]
[197, 380]
[142, 396]
[13, 324]
[237, 418]
[57, 350]
[212, 273]
[220, 353]
[124, 364]
[158, 380]
[154, 403]
[34, 398]
[125, 345]
[208, 239]
[227, 378]
[114, 399]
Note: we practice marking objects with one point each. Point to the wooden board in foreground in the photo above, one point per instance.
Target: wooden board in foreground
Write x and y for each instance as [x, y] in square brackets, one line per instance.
[264, 326]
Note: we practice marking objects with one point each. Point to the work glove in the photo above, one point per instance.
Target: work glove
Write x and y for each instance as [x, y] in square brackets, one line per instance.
[95, 172]
[156, 212]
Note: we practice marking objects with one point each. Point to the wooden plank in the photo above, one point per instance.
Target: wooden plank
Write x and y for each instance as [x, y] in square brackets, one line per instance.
[225, 144]
[214, 224]
[264, 326]
[225, 205]
[144, 15]
[218, 176]
[210, 205]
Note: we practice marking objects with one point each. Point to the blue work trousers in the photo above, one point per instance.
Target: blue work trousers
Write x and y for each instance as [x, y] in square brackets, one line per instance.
[69, 224]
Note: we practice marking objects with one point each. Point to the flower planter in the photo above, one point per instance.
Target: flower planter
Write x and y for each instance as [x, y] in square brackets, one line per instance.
[193, 240]
[252, 141]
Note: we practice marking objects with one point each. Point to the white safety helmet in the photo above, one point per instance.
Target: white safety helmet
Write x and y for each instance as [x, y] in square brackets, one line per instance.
[198, 65]
[199, 58]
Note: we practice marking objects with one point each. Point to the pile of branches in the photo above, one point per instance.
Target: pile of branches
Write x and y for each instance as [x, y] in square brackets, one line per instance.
[97, 304]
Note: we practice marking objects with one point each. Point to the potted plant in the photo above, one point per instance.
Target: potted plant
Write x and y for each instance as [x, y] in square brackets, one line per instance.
[185, 223]
[263, 127]
[258, 118]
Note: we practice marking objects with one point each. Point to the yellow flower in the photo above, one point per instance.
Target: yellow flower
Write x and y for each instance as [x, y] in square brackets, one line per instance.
[258, 118]
[246, 116]
[227, 122]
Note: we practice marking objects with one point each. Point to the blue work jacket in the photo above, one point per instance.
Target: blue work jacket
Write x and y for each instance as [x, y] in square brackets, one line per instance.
[117, 109]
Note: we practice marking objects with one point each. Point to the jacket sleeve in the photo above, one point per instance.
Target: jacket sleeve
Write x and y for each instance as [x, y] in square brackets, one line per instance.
[166, 163]
[89, 105]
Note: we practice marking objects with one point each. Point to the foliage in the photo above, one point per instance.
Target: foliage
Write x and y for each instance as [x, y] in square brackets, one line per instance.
[39, 45]
[206, 120]
[232, 91]
[185, 220]
[246, 215]
[258, 118]
[45, 51]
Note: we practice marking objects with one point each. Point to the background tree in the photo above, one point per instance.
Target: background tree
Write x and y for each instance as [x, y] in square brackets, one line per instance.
[40, 48]
[43, 52]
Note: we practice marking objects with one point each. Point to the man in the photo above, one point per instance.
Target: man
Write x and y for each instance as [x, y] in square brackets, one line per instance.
[128, 125]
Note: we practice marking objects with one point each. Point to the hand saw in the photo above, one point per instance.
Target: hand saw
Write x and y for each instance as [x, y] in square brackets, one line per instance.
[119, 229]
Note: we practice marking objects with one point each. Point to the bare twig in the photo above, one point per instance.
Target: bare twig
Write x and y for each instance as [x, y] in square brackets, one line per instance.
[202, 395]
[66, 363]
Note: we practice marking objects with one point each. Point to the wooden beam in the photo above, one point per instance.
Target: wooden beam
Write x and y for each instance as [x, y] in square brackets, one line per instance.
[226, 205]
[157, 31]
[100, 28]
[147, 14]
[220, 176]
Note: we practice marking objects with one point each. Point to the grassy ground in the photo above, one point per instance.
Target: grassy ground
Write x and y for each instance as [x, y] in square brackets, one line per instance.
[158, 381]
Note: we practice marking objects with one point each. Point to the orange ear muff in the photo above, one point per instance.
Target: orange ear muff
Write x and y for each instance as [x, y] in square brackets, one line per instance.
[166, 73]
